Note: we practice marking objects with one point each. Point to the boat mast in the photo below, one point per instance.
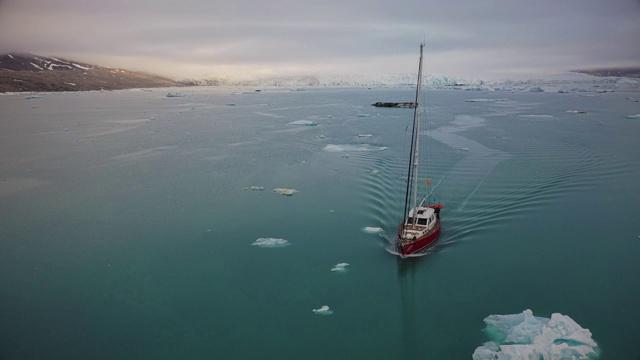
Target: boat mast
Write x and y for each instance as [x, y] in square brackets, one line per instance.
[416, 120]
[413, 152]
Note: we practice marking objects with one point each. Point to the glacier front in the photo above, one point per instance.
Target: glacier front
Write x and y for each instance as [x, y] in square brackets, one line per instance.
[524, 336]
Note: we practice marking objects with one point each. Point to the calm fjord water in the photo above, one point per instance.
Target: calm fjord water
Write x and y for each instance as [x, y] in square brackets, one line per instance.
[126, 228]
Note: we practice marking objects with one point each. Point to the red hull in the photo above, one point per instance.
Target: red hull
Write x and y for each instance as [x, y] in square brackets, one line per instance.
[421, 243]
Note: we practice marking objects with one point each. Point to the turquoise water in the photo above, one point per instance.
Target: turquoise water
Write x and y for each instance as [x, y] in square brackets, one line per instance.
[126, 228]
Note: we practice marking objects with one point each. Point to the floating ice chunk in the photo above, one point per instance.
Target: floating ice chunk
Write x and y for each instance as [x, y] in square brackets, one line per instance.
[374, 171]
[65, 129]
[33, 97]
[353, 148]
[536, 116]
[536, 89]
[304, 123]
[577, 111]
[363, 115]
[524, 336]
[324, 310]
[485, 100]
[286, 192]
[342, 267]
[271, 242]
[176, 95]
[636, 116]
[255, 188]
[464, 149]
[372, 230]
[365, 135]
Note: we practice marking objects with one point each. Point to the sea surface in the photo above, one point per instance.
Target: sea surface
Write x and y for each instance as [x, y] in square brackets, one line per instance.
[139, 226]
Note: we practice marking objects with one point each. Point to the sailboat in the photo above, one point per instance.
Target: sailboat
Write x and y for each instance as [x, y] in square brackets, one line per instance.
[420, 225]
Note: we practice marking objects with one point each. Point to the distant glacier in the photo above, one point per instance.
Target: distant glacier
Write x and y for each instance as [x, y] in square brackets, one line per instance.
[560, 82]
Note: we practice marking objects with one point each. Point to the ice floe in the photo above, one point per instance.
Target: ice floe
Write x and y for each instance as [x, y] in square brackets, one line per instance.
[271, 242]
[341, 267]
[176, 95]
[636, 116]
[363, 115]
[303, 123]
[284, 191]
[324, 310]
[353, 147]
[365, 135]
[255, 188]
[577, 111]
[372, 230]
[536, 116]
[485, 100]
[524, 336]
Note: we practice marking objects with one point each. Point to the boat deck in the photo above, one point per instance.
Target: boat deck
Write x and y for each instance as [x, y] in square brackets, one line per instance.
[433, 229]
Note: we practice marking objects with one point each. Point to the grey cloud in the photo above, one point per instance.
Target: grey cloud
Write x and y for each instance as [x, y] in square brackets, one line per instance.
[461, 35]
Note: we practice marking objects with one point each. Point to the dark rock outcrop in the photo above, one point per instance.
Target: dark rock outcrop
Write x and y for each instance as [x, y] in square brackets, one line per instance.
[395, 104]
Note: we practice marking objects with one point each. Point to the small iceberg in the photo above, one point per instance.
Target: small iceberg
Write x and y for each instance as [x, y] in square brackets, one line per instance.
[324, 310]
[577, 111]
[342, 267]
[536, 89]
[286, 192]
[636, 116]
[372, 230]
[365, 135]
[255, 188]
[524, 336]
[33, 97]
[271, 242]
[363, 115]
[170, 95]
[303, 123]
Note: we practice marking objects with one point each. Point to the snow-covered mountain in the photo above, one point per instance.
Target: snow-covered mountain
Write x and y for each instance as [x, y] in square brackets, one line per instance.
[28, 72]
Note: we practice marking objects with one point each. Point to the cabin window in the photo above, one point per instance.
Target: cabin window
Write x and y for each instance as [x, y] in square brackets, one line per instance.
[422, 221]
[410, 220]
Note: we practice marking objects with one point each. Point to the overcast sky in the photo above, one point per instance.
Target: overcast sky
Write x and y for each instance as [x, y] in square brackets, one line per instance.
[198, 38]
